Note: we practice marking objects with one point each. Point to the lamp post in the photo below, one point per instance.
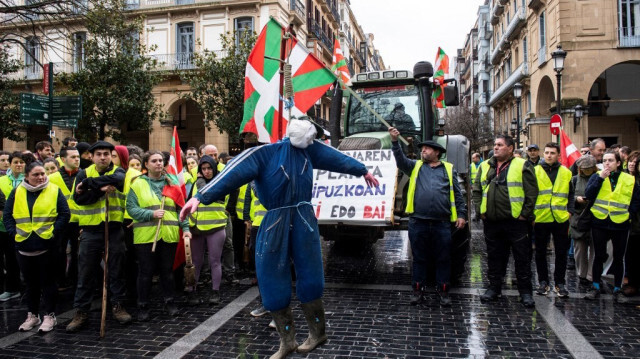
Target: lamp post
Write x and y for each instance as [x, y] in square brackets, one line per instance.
[579, 111]
[514, 128]
[558, 65]
[517, 93]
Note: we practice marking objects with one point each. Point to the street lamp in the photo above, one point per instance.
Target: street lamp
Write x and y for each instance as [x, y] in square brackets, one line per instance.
[514, 129]
[579, 111]
[558, 65]
[517, 93]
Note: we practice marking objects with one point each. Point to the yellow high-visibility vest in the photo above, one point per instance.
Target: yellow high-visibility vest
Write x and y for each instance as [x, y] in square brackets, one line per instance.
[553, 198]
[411, 192]
[208, 216]
[473, 171]
[614, 204]
[514, 186]
[258, 211]
[132, 174]
[56, 179]
[45, 212]
[94, 214]
[240, 203]
[144, 232]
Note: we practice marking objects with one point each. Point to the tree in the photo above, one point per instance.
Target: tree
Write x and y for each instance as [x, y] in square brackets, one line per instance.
[117, 78]
[10, 126]
[217, 86]
[470, 123]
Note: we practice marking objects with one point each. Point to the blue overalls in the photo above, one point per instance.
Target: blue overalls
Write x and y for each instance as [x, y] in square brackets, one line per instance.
[283, 177]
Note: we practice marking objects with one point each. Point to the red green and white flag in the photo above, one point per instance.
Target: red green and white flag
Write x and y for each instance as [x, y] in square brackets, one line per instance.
[442, 69]
[339, 65]
[175, 189]
[262, 89]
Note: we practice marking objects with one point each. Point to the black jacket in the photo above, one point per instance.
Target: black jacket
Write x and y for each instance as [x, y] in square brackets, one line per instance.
[35, 243]
[91, 190]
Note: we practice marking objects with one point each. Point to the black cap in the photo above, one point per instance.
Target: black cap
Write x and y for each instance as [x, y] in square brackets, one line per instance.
[101, 145]
[433, 144]
[533, 147]
[82, 147]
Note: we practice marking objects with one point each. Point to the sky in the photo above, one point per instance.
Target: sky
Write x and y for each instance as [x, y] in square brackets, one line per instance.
[412, 30]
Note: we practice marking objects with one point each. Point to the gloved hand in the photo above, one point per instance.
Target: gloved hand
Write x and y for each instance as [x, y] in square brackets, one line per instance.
[371, 181]
[189, 208]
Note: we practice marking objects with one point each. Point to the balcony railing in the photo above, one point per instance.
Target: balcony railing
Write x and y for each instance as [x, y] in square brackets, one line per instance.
[518, 21]
[132, 4]
[32, 72]
[495, 14]
[298, 7]
[177, 61]
[316, 31]
[629, 37]
[521, 72]
[542, 55]
[334, 11]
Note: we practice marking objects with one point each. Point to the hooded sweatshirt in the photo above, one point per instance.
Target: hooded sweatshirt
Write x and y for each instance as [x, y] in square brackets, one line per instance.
[201, 182]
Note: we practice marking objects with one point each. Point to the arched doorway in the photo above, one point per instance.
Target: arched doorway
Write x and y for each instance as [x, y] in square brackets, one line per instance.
[546, 95]
[189, 120]
[614, 105]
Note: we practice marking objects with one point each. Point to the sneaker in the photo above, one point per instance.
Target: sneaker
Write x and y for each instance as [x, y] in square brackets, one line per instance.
[120, 314]
[620, 298]
[214, 299]
[527, 300]
[543, 288]
[592, 294]
[143, 313]
[490, 296]
[585, 282]
[48, 323]
[170, 308]
[8, 296]
[445, 299]
[272, 324]
[79, 320]
[260, 311]
[230, 279]
[561, 291]
[416, 296]
[30, 323]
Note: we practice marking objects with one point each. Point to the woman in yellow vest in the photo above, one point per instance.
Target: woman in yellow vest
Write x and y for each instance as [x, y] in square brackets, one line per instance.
[10, 283]
[208, 225]
[614, 195]
[35, 212]
[144, 205]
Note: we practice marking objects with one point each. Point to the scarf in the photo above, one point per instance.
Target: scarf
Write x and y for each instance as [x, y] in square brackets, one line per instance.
[31, 188]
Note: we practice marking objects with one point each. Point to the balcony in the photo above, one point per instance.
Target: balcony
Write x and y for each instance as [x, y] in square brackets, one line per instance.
[495, 14]
[297, 14]
[542, 55]
[629, 37]
[32, 72]
[516, 24]
[177, 61]
[148, 3]
[506, 87]
[315, 30]
[536, 4]
[132, 4]
[488, 31]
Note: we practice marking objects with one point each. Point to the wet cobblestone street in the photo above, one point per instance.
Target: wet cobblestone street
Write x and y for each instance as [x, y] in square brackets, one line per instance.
[368, 316]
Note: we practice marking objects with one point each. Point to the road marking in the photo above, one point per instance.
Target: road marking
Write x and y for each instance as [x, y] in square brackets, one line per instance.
[572, 339]
[188, 342]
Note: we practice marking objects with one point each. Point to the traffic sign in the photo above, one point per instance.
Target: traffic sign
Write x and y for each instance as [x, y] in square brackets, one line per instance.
[555, 124]
[66, 110]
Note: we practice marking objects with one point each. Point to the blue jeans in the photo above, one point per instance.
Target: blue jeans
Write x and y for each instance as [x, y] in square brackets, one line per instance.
[430, 244]
[90, 250]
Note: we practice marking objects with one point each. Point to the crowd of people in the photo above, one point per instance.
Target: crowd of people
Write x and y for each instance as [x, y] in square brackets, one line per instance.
[52, 233]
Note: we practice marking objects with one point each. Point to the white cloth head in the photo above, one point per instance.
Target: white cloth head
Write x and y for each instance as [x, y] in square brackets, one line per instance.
[301, 133]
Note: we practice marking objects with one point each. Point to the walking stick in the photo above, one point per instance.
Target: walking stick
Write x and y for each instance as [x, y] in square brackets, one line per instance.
[189, 268]
[155, 239]
[103, 319]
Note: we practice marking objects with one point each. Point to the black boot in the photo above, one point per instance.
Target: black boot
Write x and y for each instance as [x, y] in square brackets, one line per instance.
[416, 297]
[314, 314]
[143, 313]
[284, 326]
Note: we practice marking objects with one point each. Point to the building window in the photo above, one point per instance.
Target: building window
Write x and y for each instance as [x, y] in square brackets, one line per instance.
[184, 45]
[242, 26]
[32, 54]
[525, 51]
[528, 102]
[79, 40]
[629, 22]
[543, 31]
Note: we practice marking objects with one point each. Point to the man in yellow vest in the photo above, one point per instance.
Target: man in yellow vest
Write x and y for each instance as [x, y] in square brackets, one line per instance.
[505, 190]
[434, 201]
[64, 179]
[554, 207]
[473, 172]
[92, 186]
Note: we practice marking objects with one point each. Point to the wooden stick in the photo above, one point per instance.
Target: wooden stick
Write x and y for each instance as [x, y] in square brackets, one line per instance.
[103, 318]
[155, 239]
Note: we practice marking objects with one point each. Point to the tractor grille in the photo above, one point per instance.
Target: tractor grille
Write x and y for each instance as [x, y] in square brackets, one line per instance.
[360, 143]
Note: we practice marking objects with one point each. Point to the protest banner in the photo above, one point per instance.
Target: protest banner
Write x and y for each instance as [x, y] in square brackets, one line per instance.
[342, 198]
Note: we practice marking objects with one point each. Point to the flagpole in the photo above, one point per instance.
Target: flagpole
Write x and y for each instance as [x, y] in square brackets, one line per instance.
[283, 44]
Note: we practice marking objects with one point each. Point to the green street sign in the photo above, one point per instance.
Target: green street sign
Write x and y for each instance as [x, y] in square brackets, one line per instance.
[66, 110]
